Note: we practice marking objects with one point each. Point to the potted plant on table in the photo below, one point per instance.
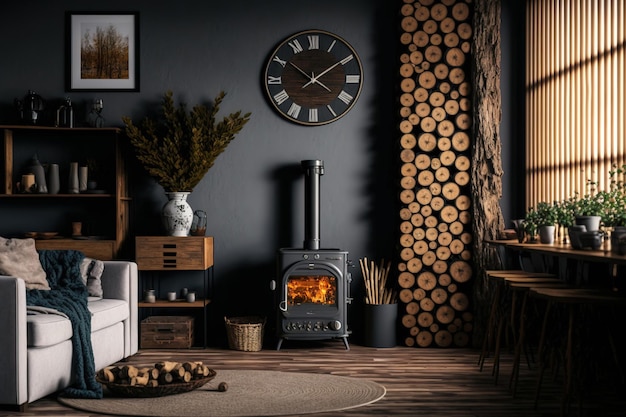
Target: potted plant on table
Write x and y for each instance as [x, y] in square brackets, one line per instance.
[564, 219]
[613, 216]
[547, 217]
[529, 225]
[178, 147]
[587, 209]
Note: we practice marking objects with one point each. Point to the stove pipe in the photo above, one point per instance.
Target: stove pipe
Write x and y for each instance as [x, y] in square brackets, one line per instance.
[313, 170]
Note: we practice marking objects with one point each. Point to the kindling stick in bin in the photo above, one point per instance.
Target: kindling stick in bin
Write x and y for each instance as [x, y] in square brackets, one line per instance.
[375, 278]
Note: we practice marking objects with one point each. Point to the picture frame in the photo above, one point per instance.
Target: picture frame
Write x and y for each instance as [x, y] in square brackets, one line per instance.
[115, 69]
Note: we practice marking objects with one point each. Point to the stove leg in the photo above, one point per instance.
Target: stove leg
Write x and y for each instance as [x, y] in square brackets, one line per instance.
[345, 342]
[280, 342]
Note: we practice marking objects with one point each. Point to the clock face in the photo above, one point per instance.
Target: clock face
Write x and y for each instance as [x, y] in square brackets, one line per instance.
[313, 77]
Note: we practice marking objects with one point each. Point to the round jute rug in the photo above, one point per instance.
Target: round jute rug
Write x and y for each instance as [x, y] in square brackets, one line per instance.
[250, 393]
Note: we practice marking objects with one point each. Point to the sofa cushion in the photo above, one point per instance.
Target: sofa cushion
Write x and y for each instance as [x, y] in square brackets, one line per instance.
[50, 329]
[106, 312]
[47, 329]
[19, 258]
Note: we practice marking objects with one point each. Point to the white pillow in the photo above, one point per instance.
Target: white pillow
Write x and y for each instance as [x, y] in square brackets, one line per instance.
[19, 258]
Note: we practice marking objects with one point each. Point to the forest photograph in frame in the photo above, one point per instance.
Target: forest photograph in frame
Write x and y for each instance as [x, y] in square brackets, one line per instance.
[102, 51]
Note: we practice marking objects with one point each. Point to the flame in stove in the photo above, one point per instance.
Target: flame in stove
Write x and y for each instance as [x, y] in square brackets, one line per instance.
[311, 289]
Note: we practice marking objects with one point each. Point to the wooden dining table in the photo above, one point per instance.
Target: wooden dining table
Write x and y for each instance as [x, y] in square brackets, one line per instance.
[597, 281]
[571, 264]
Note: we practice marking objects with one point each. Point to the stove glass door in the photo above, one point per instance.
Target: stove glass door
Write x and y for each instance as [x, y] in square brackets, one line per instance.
[320, 289]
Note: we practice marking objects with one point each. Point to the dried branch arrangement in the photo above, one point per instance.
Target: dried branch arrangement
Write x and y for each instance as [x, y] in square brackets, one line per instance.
[375, 278]
[178, 147]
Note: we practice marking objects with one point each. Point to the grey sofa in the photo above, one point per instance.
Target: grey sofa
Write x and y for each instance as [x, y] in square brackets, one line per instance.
[36, 350]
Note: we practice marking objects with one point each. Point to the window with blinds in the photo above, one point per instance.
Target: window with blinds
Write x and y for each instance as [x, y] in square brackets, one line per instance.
[575, 95]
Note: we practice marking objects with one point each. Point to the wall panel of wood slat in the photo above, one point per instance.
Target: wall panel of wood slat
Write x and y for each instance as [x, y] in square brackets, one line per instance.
[575, 96]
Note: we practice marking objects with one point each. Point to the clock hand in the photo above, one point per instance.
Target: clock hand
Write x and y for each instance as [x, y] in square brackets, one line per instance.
[312, 79]
[315, 80]
[300, 70]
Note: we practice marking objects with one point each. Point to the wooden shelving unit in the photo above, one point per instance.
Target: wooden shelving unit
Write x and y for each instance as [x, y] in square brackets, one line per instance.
[155, 254]
[111, 220]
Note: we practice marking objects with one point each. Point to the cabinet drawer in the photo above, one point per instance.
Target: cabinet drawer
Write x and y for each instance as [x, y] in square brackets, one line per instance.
[182, 253]
[173, 332]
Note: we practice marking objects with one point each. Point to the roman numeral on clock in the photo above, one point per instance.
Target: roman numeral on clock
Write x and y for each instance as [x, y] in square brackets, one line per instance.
[345, 97]
[280, 61]
[295, 45]
[294, 110]
[280, 97]
[314, 42]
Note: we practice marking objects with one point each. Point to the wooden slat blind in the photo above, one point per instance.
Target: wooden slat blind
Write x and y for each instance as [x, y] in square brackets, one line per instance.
[575, 95]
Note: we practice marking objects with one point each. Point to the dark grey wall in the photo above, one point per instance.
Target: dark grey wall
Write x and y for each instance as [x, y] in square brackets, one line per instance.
[512, 129]
[254, 193]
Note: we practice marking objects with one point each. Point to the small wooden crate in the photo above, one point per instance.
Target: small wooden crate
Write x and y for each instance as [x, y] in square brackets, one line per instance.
[167, 332]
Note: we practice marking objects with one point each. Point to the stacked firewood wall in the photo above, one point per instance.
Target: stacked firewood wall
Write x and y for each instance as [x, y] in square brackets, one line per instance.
[435, 268]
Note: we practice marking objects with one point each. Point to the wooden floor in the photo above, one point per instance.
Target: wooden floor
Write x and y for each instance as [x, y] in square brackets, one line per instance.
[419, 382]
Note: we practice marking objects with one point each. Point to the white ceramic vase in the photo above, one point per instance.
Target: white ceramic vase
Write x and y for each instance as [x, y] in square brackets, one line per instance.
[177, 214]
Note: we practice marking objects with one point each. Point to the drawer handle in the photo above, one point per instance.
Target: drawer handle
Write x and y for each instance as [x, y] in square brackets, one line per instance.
[169, 246]
[161, 340]
[169, 253]
[165, 330]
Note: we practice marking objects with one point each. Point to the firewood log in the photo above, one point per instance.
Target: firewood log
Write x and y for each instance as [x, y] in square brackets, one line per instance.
[186, 377]
[106, 374]
[128, 372]
[165, 366]
[153, 373]
[190, 366]
[140, 379]
[165, 378]
[178, 372]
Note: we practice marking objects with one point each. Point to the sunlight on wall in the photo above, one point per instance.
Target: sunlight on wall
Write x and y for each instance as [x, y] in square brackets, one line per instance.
[575, 95]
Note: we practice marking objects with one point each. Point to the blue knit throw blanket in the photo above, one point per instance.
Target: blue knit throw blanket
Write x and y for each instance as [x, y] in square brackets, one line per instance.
[68, 295]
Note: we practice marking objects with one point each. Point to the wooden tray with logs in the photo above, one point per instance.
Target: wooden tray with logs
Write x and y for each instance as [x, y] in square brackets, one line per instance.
[164, 378]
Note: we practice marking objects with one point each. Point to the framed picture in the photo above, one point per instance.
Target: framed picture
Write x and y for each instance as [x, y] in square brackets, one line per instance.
[102, 51]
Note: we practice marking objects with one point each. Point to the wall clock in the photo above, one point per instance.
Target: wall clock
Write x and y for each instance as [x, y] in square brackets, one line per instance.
[313, 77]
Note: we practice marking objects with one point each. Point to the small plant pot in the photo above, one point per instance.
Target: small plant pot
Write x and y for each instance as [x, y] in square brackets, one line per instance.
[591, 240]
[592, 223]
[574, 235]
[546, 234]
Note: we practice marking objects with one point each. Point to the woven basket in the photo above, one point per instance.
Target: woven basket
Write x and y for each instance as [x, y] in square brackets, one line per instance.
[245, 333]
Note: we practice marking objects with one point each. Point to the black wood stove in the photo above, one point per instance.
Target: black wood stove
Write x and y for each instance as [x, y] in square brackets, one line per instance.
[313, 288]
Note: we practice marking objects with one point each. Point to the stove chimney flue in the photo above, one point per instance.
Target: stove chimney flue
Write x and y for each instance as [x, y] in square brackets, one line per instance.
[313, 170]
